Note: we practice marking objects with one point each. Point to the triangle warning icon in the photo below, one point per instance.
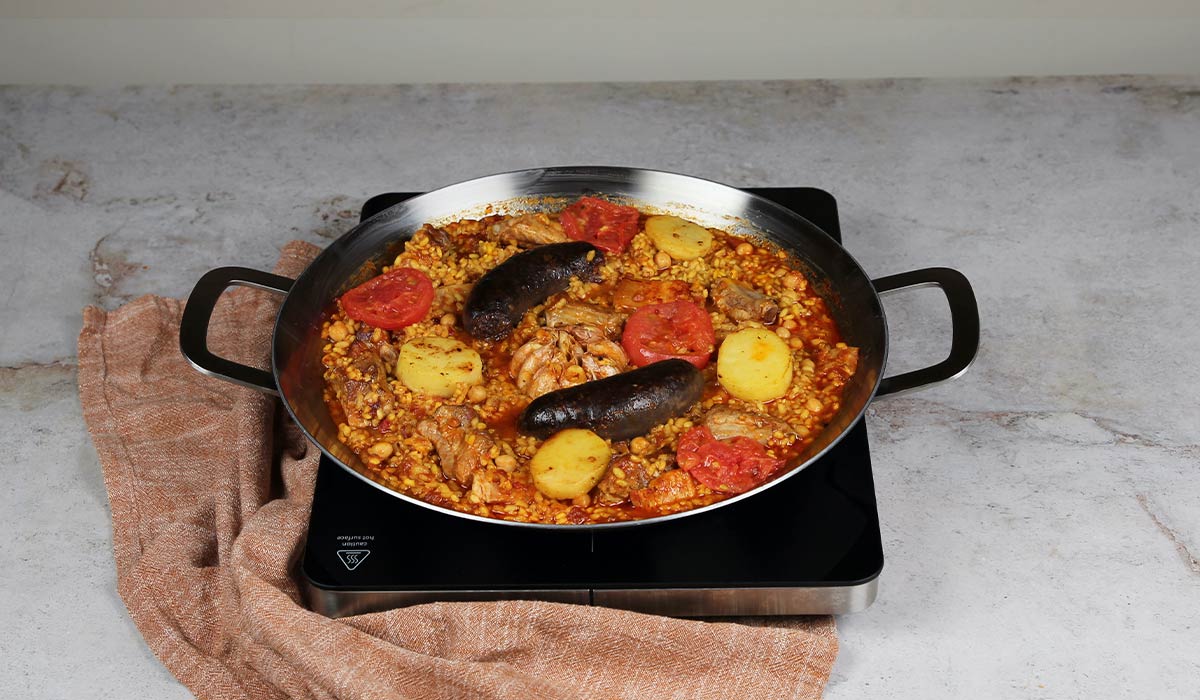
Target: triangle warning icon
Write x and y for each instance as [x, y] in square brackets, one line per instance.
[353, 557]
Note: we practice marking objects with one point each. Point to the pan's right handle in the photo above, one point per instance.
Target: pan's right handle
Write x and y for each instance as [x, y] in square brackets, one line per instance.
[193, 328]
[964, 327]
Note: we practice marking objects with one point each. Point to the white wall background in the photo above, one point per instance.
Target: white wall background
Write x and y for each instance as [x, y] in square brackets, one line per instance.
[308, 41]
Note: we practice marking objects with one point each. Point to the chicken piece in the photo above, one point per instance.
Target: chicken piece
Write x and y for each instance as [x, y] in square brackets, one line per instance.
[742, 303]
[488, 487]
[591, 335]
[579, 313]
[461, 449]
[599, 366]
[376, 340]
[666, 489]
[495, 486]
[558, 358]
[604, 357]
[539, 359]
[426, 248]
[725, 423]
[623, 476]
[449, 300]
[840, 362]
[528, 230]
[361, 386]
[438, 237]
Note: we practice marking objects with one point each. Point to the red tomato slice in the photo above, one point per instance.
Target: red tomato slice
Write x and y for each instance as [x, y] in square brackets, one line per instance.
[400, 297]
[729, 466]
[677, 329]
[605, 225]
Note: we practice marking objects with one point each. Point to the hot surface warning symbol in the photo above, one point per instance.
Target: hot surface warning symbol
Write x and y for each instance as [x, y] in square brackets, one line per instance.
[353, 557]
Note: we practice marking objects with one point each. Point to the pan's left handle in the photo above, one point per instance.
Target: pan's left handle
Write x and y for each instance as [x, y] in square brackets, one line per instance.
[193, 328]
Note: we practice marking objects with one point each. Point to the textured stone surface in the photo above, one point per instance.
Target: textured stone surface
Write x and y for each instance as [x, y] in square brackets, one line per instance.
[1039, 514]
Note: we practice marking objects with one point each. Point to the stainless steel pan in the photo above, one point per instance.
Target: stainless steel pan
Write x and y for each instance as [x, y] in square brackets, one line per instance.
[296, 370]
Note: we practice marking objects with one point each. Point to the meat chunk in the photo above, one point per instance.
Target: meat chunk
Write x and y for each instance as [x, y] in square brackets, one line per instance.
[579, 313]
[630, 294]
[461, 449]
[488, 486]
[449, 299]
[558, 358]
[426, 248]
[437, 237]
[840, 361]
[725, 423]
[666, 489]
[623, 476]
[528, 230]
[361, 386]
[539, 356]
[376, 340]
[495, 486]
[742, 303]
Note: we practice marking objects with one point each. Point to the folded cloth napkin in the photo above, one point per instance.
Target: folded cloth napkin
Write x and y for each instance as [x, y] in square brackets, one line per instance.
[207, 533]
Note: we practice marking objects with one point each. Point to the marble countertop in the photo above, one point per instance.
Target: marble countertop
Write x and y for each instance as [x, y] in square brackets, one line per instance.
[1041, 515]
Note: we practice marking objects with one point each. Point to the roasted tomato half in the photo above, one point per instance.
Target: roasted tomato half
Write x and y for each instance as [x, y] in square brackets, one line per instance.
[729, 466]
[677, 329]
[398, 298]
[605, 225]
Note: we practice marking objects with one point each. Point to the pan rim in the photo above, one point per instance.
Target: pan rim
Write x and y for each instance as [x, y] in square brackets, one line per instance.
[533, 174]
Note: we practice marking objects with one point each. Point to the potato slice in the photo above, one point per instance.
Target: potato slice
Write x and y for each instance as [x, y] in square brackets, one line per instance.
[570, 463]
[755, 365]
[436, 366]
[680, 239]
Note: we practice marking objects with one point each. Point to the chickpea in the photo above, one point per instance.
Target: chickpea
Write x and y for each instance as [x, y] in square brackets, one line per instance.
[794, 280]
[640, 446]
[506, 462]
[447, 320]
[477, 393]
[744, 249]
[814, 405]
[338, 331]
[382, 450]
[661, 260]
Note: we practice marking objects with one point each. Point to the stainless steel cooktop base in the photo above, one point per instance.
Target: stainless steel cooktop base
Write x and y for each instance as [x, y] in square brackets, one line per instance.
[823, 554]
[672, 602]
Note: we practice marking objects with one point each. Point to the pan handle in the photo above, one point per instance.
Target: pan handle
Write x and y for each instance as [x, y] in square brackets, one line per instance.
[193, 328]
[964, 327]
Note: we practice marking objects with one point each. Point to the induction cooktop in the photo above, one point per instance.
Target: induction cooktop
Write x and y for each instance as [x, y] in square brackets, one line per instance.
[808, 545]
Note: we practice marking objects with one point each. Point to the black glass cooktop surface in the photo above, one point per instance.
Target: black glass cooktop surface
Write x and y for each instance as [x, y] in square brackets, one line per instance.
[810, 544]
